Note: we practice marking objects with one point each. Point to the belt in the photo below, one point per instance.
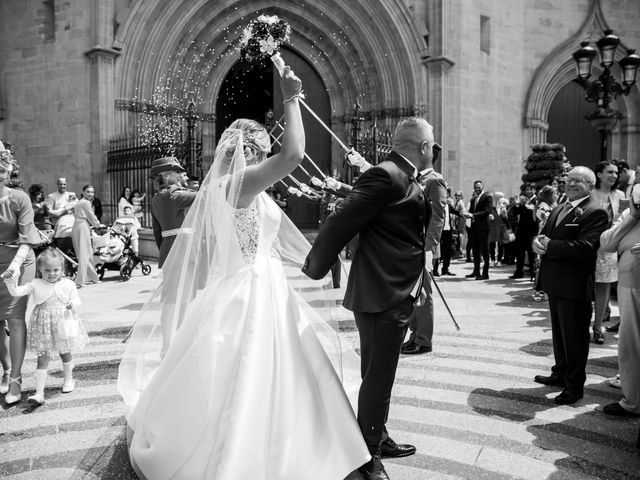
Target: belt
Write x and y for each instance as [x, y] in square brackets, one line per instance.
[175, 231]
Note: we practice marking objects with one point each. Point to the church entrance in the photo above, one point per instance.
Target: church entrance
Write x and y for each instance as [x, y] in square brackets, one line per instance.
[568, 126]
[251, 93]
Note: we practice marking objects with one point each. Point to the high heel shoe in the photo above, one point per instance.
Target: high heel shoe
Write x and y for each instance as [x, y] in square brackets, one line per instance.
[9, 398]
[4, 386]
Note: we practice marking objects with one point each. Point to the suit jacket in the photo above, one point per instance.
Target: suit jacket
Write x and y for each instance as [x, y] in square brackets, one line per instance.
[435, 190]
[387, 208]
[567, 269]
[168, 209]
[527, 221]
[480, 208]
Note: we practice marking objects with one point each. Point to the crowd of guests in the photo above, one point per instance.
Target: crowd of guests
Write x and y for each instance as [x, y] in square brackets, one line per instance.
[43, 232]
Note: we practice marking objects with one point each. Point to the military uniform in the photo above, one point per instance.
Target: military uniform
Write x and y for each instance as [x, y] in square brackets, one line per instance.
[168, 209]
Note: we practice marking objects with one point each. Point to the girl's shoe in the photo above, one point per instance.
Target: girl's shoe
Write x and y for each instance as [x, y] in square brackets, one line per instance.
[41, 379]
[69, 385]
[37, 398]
[4, 386]
[10, 398]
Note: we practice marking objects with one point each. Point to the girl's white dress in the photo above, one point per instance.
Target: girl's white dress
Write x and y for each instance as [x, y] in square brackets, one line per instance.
[53, 328]
[246, 390]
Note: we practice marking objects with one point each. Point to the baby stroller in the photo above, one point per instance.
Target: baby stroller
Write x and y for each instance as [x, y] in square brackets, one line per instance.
[115, 251]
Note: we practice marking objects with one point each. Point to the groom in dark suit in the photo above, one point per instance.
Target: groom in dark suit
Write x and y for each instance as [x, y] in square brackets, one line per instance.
[567, 245]
[388, 210]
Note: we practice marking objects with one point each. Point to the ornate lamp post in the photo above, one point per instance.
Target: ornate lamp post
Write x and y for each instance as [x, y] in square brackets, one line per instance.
[603, 90]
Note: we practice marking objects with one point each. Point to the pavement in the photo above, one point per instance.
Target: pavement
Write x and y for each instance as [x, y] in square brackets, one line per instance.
[471, 406]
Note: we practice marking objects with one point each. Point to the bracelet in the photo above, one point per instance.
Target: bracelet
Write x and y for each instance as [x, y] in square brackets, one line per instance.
[297, 95]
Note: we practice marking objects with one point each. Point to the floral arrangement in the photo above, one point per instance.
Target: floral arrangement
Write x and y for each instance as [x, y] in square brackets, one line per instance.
[262, 38]
[577, 213]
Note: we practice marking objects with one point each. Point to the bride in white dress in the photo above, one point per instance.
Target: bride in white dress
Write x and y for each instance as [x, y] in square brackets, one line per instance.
[252, 382]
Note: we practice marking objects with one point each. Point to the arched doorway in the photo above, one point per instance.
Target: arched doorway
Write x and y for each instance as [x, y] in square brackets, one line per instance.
[568, 126]
[250, 93]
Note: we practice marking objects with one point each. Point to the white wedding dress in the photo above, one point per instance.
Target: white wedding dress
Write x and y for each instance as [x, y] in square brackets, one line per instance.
[246, 390]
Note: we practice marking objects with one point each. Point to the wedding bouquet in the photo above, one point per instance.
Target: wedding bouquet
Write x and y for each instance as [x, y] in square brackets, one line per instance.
[262, 39]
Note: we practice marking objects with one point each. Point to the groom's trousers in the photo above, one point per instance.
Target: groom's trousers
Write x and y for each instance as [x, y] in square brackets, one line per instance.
[381, 337]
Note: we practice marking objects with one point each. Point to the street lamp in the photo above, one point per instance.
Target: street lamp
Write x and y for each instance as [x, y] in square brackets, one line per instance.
[605, 89]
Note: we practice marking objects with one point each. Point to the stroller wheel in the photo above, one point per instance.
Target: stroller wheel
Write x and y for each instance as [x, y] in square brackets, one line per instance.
[100, 270]
[146, 269]
[125, 273]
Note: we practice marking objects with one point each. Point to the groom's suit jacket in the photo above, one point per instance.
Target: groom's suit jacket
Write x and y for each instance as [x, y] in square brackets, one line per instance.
[567, 269]
[388, 210]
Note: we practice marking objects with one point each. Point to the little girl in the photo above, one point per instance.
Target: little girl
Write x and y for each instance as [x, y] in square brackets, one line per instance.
[136, 200]
[53, 326]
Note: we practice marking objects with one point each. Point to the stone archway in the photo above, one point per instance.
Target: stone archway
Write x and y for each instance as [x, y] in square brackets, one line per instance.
[556, 71]
[362, 51]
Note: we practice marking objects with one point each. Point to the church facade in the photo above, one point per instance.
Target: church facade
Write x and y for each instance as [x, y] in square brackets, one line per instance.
[492, 76]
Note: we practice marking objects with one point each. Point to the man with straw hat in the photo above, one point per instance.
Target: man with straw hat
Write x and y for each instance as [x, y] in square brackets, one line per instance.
[170, 205]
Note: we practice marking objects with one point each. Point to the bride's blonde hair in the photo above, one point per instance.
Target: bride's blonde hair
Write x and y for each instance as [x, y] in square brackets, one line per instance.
[254, 136]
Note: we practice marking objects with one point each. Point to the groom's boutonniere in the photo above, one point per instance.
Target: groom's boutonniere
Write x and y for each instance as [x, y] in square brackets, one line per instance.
[577, 212]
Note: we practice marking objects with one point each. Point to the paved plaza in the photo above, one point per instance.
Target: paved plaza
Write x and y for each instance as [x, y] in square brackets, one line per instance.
[471, 407]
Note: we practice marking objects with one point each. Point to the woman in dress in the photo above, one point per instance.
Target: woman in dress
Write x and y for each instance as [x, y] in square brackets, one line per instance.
[608, 197]
[250, 385]
[126, 200]
[40, 209]
[81, 236]
[17, 235]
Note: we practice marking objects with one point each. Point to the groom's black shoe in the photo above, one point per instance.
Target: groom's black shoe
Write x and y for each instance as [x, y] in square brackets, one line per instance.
[414, 349]
[373, 469]
[390, 449]
[552, 380]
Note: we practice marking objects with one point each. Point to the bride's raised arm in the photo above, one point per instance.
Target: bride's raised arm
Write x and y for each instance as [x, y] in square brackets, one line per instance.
[259, 176]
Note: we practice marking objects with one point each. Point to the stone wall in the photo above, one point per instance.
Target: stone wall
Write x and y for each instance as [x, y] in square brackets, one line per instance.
[45, 78]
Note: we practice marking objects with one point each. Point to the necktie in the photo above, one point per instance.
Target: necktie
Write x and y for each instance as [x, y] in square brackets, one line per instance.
[566, 208]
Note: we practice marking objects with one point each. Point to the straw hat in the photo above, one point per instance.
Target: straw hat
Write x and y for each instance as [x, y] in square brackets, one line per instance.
[165, 164]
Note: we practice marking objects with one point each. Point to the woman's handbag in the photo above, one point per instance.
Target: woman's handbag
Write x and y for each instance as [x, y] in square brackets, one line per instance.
[508, 236]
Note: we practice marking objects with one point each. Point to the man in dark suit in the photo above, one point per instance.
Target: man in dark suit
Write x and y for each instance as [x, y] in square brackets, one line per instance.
[388, 210]
[567, 246]
[526, 229]
[479, 211]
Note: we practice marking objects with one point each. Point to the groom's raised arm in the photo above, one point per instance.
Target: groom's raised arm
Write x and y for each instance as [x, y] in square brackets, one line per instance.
[371, 193]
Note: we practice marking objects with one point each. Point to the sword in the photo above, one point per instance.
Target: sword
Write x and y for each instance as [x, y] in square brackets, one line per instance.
[445, 302]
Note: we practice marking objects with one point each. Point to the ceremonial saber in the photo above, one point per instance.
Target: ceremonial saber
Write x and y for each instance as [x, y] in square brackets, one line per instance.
[279, 63]
[445, 302]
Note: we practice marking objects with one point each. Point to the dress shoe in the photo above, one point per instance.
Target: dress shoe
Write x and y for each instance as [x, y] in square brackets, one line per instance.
[517, 275]
[613, 328]
[618, 410]
[482, 277]
[414, 349]
[10, 398]
[567, 397]
[615, 382]
[447, 272]
[390, 449]
[374, 469]
[552, 380]
[598, 337]
[4, 386]
[472, 275]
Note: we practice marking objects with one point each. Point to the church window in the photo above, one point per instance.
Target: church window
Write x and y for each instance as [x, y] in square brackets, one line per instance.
[485, 34]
